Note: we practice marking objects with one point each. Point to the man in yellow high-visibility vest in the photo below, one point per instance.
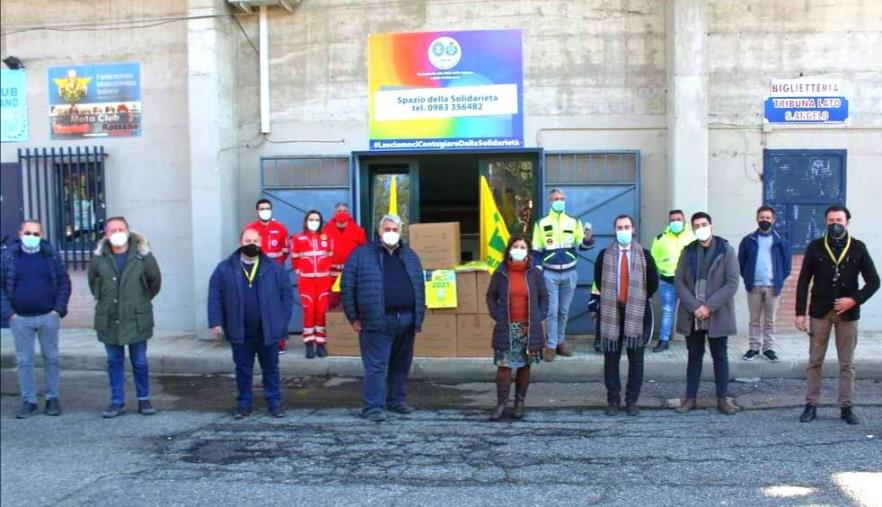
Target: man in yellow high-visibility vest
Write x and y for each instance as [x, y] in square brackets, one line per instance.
[555, 240]
[665, 251]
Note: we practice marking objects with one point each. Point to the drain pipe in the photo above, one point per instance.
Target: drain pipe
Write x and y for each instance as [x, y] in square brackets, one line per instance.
[264, 71]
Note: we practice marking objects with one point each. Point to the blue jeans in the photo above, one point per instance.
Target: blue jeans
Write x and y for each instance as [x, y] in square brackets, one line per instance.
[561, 287]
[116, 371]
[668, 293]
[386, 356]
[25, 331]
[268, 357]
[719, 351]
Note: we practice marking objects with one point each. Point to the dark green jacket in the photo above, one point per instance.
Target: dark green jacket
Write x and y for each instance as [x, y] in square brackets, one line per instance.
[123, 309]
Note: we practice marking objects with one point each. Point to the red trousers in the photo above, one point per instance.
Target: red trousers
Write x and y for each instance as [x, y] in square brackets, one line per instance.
[314, 293]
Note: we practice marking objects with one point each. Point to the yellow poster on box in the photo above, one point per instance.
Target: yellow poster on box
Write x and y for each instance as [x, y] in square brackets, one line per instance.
[440, 288]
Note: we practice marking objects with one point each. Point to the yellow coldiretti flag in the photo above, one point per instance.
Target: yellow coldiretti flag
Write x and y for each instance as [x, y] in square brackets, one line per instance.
[393, 197]
[494, 232]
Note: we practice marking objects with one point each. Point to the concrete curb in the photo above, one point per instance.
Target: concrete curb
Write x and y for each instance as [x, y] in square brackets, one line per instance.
[183, 354]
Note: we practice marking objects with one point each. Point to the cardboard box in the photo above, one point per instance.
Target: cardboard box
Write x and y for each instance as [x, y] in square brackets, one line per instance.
[482, 283]
[342, 339]
[474, 336]
[467, 300]
[436, 244]
[438, 337]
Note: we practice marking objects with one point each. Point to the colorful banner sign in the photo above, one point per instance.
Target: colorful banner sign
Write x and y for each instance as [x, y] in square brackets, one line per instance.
[446, 90]
[797, 101]
[95, 100]
[440, 288]
[14, 106]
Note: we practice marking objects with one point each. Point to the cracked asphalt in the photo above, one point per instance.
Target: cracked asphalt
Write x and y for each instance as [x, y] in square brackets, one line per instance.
[194, 453]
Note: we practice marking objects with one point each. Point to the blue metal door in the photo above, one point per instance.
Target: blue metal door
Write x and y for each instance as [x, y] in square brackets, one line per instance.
[296, 185]
[599, 186]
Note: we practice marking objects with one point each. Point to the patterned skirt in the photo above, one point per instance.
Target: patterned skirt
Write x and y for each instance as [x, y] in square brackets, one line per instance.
[517, 354]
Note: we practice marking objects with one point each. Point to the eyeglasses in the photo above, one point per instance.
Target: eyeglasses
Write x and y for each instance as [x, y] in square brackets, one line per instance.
[29, 233]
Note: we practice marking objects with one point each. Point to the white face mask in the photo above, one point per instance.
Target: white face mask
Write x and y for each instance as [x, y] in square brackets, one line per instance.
[313, 225]
[391, 238]
[518, 254]
[119, 239]
[703, 234]
[265, 214]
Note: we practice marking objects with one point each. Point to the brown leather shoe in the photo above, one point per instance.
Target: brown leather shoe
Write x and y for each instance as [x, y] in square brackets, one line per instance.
[632, 409]
[688, 405]
[726, 407]
[612, 409]
[564, 350]
[548, 354]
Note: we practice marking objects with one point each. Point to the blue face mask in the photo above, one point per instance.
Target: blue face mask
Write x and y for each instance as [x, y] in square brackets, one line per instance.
[624, 237]
[31, 242]
[676, 227]
[559, 206]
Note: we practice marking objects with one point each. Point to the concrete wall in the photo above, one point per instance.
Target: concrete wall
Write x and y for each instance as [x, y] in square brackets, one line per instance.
[148, 178]
[753, 42]
[594, 78]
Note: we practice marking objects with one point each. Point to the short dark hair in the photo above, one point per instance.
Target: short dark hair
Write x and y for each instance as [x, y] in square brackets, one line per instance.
[676, 212]
[700, 214]
[623, 215]
[311, 212]
[514, 238]
[263, 201]
[119, 218]
[766, 208]
[835, 208]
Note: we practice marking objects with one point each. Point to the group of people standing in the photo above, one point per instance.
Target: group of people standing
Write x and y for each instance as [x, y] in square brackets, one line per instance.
[382, 295]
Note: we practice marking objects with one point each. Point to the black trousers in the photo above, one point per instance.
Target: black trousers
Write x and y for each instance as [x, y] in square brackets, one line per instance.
[611, 370]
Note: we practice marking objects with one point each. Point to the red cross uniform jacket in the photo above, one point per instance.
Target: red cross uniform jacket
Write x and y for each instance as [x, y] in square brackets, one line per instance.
[273, 239]
[311, 254]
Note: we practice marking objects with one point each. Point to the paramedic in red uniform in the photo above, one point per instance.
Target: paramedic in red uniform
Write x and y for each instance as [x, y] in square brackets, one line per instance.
[347, 236]
[311, 253]
[273, 239]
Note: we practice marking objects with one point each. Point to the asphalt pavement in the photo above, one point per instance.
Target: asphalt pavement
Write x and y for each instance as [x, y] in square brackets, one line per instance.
[446, 453]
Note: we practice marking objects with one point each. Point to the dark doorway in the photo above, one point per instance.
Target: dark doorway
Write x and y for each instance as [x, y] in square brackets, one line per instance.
[11, 202]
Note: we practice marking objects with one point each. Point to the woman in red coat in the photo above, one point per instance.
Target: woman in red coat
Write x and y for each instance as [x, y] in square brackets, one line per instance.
[311, 253]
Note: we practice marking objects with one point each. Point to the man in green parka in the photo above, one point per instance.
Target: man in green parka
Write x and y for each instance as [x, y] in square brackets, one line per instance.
[124, 278]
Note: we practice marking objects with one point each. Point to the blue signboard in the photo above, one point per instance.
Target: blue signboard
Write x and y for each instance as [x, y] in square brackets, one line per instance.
[14, 106]
[101, 100]
[806, 109]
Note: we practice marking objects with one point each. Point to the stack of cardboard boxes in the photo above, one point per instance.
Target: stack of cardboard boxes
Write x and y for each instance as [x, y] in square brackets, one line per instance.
[464, 331]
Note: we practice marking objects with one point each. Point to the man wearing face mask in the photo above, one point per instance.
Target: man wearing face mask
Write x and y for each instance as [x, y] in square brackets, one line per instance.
[707, 280]
[832, 265]
[383, 292]
[124, 278]
[311, 254]
[666, 249]
[249, 303]
[627, 279]
[764, 258]
[556, 237]
[273, 240]
[34, 294]
[347, 236]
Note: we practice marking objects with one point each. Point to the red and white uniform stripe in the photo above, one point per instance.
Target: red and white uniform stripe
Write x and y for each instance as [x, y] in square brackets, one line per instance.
[311, 254]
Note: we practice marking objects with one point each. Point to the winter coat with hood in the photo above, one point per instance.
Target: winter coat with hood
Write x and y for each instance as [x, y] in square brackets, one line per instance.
[123, 301]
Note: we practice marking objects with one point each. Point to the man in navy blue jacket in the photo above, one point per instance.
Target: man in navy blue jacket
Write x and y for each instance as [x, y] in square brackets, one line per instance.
[33, 300]
[764, 259]
[249, 303]
[383, 293]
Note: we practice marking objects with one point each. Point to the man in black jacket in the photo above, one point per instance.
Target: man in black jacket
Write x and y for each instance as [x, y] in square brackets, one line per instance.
[832, 264]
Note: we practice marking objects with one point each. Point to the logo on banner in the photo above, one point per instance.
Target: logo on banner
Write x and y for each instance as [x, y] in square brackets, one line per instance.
[444, 53]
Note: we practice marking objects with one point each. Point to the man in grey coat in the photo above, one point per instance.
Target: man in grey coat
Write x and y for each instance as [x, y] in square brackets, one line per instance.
[707, 280]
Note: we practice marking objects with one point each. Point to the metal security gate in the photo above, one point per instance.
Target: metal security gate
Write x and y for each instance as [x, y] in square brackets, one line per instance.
[599, 187]
[64, 188]
[296, 185]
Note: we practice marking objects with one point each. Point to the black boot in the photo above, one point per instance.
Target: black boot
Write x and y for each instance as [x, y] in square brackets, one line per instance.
[848, 416]
[522, 382]
[809, 414]
[310, 350]
[321, 350]
[502, 392]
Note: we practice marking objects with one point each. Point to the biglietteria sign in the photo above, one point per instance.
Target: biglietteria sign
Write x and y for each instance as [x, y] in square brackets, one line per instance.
[797, 101]
[446, 90]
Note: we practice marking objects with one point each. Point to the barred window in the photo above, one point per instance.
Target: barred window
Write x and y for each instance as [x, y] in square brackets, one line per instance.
[609, 167]
[298, 172]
